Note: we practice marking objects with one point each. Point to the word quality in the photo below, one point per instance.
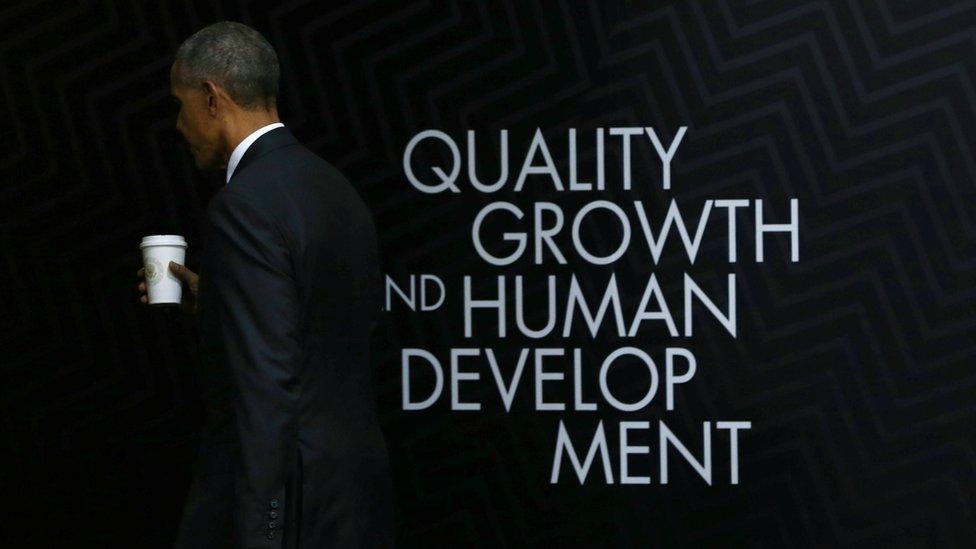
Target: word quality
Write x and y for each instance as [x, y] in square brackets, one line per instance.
[538, 161]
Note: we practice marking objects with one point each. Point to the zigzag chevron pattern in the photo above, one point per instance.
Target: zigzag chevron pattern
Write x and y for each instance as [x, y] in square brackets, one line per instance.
[853, 364]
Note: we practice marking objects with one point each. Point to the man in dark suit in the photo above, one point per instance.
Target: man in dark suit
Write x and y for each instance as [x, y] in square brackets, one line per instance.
[287, 294]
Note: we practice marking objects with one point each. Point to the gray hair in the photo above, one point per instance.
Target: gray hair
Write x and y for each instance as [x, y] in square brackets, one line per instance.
[234, 56]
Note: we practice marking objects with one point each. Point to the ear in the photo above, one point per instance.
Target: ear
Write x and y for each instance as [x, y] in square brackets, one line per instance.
[211, 92]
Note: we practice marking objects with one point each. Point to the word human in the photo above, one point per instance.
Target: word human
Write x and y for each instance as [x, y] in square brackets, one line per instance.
[564, 304]
[538, 161]
[653, 307]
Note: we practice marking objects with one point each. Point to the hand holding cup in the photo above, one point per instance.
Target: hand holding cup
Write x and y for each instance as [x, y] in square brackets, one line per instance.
[163, 286]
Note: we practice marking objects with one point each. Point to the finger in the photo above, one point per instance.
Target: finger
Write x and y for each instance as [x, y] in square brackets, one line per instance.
[140, 271]
[144, 299]
[142, 286]
[176, 269]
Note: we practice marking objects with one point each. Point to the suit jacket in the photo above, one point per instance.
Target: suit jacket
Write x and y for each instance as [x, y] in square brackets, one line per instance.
[292, 454]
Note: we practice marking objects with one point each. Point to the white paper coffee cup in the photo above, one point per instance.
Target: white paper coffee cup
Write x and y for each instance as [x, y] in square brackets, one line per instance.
[162, 286]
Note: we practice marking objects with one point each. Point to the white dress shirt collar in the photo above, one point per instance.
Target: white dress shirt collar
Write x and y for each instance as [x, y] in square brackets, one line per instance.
[241, 148]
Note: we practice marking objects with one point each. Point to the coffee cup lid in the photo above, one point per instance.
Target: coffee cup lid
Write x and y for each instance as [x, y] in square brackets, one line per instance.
[163, 240]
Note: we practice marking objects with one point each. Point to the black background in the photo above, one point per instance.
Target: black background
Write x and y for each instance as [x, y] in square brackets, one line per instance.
[854, 364]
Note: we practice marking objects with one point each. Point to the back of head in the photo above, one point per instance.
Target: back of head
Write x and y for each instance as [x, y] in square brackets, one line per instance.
[236, 57]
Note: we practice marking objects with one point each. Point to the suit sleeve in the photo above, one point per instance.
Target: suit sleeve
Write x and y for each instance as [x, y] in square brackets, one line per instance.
[256, 302]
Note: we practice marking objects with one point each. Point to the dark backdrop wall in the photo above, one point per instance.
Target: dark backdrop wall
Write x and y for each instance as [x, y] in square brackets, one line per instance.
[854, 364]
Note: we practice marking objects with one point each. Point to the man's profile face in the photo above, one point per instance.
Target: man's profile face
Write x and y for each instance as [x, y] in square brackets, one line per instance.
[198, 122]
